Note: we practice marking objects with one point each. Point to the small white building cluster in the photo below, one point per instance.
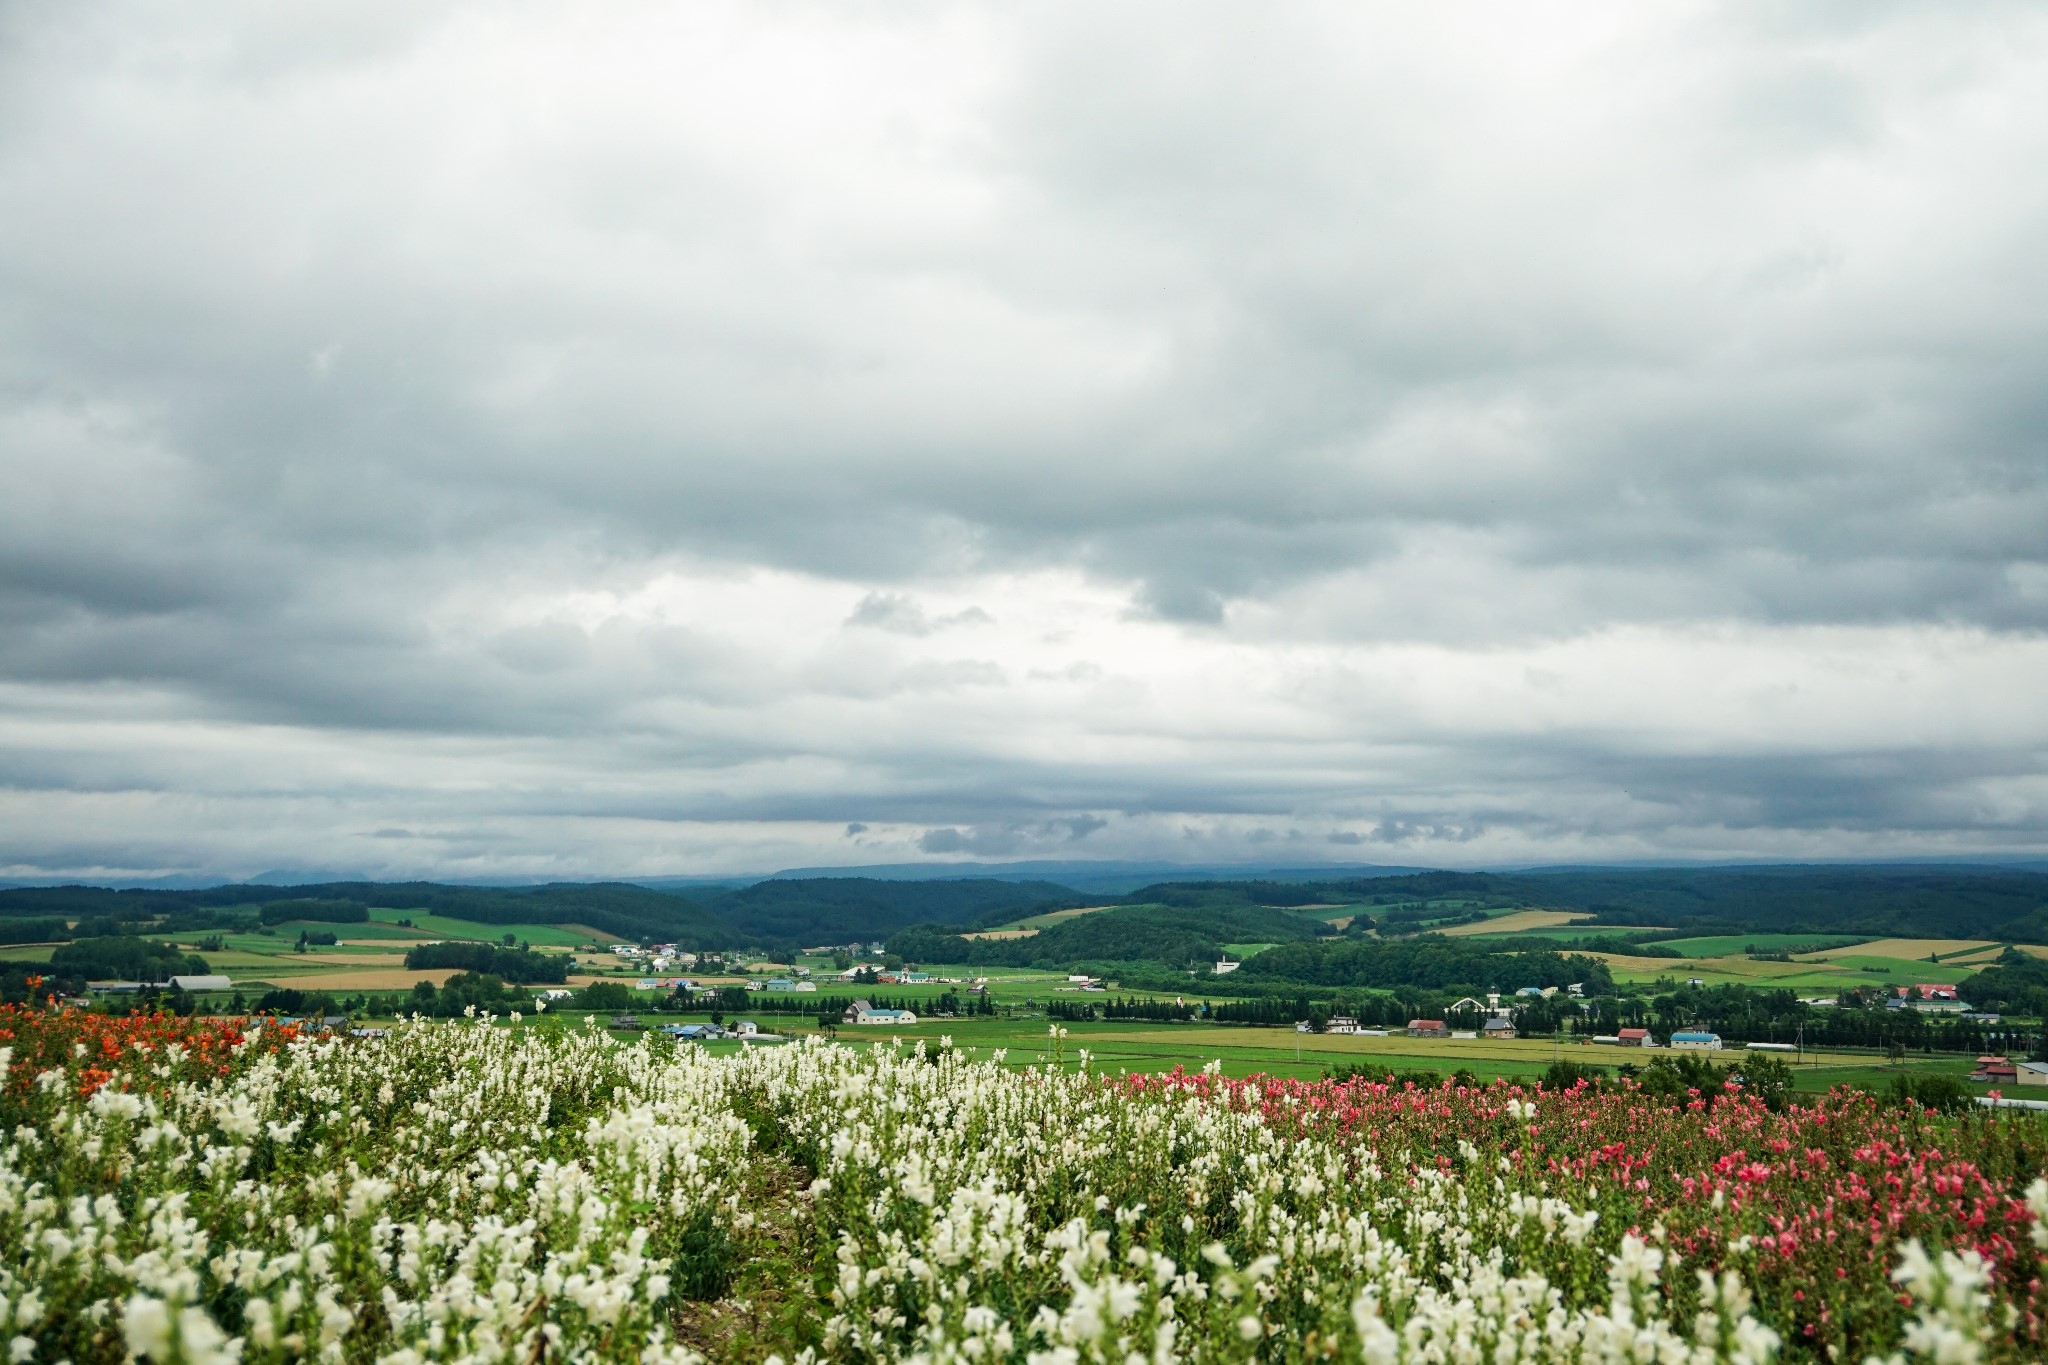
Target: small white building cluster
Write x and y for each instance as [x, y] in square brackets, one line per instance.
[861, 1012]
[660, 957]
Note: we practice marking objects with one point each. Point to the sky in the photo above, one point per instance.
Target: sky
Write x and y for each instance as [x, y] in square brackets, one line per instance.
[516, 440]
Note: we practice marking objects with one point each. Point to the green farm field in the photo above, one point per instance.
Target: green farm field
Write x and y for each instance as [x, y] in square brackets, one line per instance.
[441, 926]
[1054, 917]
[1120, 1045]
[1832, 962]
[1730, 945]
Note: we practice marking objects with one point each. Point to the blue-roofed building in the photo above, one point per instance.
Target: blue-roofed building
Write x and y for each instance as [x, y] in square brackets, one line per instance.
[861, 1012]
[1698, 1040]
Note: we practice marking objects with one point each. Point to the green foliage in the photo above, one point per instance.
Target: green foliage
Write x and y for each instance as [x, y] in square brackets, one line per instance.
[1677, 1078]
[1432, 963]
[33, 930]
[814, 910]
[106, 926]
[1765, 1077]
[15, 978]
[1945, 902]
[1227, 895]
[1420, 1077]
[1562, 1075]
[2016, 984]
[705, 1258]
[634, 912]
[1907, 901]
[1931, 1090]
[1174, 937]
[606, 995]
[296, 1003]
[522, 965]
[1423, 886]
[124, 958]
[314, 910]
[481, 992]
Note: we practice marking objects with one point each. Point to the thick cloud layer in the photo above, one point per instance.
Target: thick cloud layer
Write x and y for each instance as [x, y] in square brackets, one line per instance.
[495, 440]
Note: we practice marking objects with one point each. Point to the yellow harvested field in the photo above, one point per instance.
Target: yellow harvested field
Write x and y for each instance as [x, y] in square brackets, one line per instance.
[1514, 923]
[1906, 949]
[1724, 970]
[2033, 949]
[1629, 962]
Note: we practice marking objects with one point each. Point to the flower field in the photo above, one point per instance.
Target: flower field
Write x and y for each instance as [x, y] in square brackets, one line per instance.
[182, 1191]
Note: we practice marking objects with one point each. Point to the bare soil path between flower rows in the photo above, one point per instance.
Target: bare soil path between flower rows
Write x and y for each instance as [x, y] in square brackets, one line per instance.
[770, 1307]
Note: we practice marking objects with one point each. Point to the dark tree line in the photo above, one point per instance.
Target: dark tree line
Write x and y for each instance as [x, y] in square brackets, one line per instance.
[1433, 963]
[522, 965]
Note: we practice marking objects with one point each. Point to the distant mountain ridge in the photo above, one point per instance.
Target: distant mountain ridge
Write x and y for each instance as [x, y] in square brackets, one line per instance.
[1105, 876]
[1935, 900]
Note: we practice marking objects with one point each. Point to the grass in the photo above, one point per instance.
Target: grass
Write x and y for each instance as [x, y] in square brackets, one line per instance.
[1721, 960]
[1539, 937]
[442, 926]
[1735, 945]
[1339, 915]
[1120, 1045]
[1055, 916]
[1890, 971]
[1911, 949]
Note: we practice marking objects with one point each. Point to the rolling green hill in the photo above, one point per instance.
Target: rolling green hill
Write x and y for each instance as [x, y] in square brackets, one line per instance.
[1875, 901]
[819, 910]
[628, 911]
[1165, 935]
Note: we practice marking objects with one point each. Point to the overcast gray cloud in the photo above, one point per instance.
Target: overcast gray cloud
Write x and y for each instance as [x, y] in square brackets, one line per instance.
[480, 439]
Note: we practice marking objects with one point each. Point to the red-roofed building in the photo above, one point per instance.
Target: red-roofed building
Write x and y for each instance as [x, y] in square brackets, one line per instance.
[1932, 998]
[1428, 1028]
[1635, 1037]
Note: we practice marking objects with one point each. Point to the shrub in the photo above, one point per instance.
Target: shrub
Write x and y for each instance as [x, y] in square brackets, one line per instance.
[33, 930]
[521, 965]
[1766, 1078]
[123, 958]
[1563, 1075]
[321, 911]
[606, 995]
[1942, 1093]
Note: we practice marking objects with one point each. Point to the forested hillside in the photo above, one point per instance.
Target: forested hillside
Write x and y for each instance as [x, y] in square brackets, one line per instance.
[1942, 902]
[1912, 901]
[1192, 919]
[1164, 935]
[1434, 963]
[825, 909]
[614, 907]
